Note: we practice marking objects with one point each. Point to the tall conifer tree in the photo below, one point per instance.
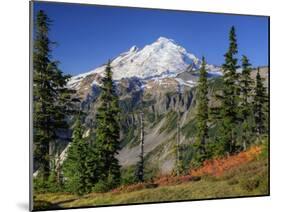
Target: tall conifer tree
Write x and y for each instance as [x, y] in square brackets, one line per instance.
[246, 84]
[42, 94]
[140, 163]
[202, 114]
[260, 105]
[51, 99]
[107, 141]
[230, 96]
[75, 166]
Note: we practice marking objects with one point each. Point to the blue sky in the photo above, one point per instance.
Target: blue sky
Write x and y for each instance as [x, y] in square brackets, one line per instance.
[88, 36]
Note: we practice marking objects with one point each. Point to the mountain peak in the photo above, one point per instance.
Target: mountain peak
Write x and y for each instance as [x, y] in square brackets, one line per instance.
[160, 59]
[164, 39]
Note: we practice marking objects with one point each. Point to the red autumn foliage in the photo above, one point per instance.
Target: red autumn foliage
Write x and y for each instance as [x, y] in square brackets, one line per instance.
[216, 167]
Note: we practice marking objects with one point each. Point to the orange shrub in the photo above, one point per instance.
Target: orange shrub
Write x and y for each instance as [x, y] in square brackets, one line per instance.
[216, 167]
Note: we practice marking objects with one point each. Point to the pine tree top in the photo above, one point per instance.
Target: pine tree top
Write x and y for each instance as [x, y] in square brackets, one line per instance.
[203, 70]
[42, 20]
[233, 41]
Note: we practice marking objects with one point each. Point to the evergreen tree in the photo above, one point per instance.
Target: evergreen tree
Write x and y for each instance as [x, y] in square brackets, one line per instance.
[246, 83]
[180, 168]
[228, 111]
[177, 146]
[260, 105]
[75, 166]
[52, 100]
[107, 142]
[179, 165]
[202, 114]
[140, 164]
[42, 96]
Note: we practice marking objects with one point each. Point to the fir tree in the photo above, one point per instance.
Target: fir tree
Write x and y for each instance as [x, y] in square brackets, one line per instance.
[107, 142]
[50, 98]
[140, 164]
[228, 111]
[75, 166]
[260, 105]
[202, 114]
[246, 83]
[179, 165]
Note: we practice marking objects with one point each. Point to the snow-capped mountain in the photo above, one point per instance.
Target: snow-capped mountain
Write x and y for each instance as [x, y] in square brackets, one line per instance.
[163, 58]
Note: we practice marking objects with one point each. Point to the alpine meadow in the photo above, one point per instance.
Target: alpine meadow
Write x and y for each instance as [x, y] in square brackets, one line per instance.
[150, 124]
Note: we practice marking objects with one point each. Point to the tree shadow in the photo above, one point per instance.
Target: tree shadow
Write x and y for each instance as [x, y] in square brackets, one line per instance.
[39, 205]
[57, 204]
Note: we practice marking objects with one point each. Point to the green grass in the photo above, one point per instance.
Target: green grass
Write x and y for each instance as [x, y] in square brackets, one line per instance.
[246, 180]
